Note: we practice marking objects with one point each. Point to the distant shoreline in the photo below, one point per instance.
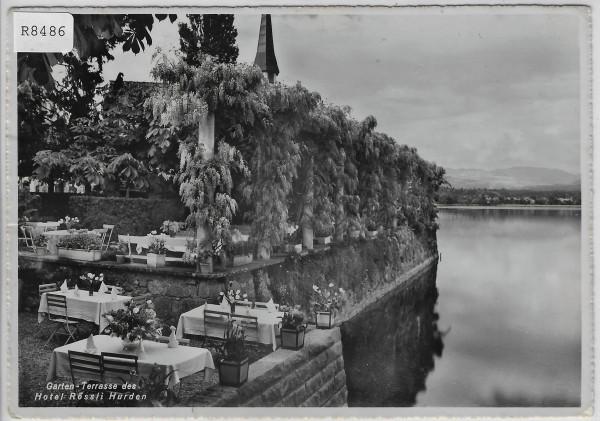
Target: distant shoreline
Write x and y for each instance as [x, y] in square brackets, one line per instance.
[513, 207]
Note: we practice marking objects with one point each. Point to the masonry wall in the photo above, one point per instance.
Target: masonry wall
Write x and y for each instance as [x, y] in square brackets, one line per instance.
[313, 376]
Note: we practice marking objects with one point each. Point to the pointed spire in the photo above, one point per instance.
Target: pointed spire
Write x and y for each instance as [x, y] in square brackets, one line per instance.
[265, 53]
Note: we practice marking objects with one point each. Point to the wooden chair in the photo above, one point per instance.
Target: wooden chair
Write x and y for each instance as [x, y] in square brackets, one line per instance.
[263, 306]
[165, 340]
[140, 299]
[58, 314]
[243, 303]
[108, 230]
[122, 367]
[250, 326]
[109, 289]
[215, 329]
[86, 367]
[47, 288]
[27, 236]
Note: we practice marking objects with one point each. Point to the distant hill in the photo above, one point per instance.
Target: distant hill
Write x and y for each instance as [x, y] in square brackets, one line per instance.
[530, 178]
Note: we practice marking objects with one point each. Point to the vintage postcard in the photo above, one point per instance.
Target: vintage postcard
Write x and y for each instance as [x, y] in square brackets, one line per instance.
[297, 210]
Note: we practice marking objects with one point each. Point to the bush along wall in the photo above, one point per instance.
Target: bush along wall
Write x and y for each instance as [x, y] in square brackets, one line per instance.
[130, 216]
[358, 268]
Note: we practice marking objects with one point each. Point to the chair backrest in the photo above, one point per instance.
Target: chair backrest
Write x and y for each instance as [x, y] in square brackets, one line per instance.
[165, 340]
[215, 324]
[47, 288]
[140, 299]
[243, 303]
[119, 366]
[28, 235]
[263, 306]
[57, 307]
[107, 236]
[86, 366]
[109, 289]
[250, 325]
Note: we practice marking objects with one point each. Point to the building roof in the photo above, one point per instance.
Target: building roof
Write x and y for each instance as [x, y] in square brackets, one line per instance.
[265, 53]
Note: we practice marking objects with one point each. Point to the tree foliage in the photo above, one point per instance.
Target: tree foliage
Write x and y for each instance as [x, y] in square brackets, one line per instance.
[212, 35]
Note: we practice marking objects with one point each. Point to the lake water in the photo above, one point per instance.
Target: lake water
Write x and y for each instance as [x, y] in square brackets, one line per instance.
[496, 323]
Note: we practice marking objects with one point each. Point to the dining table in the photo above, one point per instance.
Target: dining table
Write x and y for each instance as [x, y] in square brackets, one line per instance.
[182, 361]
[192, 322]
[90, 308]
[38, 228]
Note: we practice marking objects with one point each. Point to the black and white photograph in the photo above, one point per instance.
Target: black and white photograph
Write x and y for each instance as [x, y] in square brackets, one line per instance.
[243, 211]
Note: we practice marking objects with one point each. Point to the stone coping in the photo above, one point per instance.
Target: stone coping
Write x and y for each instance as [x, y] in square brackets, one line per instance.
[187, 272]
[269, 370]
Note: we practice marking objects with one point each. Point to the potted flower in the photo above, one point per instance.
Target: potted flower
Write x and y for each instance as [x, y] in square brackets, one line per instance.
[371, 229]
[293, 329]
[90, 281]
[87, 247]
[157, 252]
[232, 296]
[240, 253]
[323, 232]
[325, 303]
[39, 244]
[69, 222]
[233, 367]
[133, 324]
[122, 249]
[171, 227]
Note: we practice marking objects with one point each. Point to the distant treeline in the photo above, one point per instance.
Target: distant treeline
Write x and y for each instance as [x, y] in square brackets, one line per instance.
[492, 197]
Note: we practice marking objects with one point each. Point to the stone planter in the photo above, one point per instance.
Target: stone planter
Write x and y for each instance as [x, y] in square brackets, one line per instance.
[120, 258]
[79, 254]
[41, 251]
[325, 319]
[292, 338]
[307, 237]
[372, 234]
[264, 251]
[240, 260]
[323, 240]
[233, 373]
[156, 260]
[354, 234]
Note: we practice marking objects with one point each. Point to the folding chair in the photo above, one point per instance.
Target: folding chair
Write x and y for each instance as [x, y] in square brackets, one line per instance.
[165, 340]
[27, 236]
[108, 230]
[263, 306]
[243, 303]
[215, 329]
[46, 288]
[59, 315]
[250, 326]
[122, 367]
[88, 366]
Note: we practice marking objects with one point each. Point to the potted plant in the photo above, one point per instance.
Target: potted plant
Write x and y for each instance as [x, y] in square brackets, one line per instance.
[172, 227]
[69, 222]
[371, 229]
[39, 245]
[122, 249]
[322, 232]
[233, 367]
[87, 247]
[293, 329]
[325, 303]
[157, 252]
[90, 281]
[155, 388]
[232, 296]
[240, 253]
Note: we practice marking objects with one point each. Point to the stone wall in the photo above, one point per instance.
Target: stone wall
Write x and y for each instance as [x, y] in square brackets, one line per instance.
[313, 376]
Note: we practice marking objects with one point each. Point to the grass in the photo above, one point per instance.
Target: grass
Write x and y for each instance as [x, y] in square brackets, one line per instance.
[34, 360]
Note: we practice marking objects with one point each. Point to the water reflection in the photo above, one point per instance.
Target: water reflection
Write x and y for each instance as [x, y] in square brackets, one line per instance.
[389, 349]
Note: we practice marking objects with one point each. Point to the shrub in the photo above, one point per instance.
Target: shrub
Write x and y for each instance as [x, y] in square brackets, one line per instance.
[130, 216]
[81, 241]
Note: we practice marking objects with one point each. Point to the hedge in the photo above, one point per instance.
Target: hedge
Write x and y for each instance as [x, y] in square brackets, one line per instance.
[130, 216]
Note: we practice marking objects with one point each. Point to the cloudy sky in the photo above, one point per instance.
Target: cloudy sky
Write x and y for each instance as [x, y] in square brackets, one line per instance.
[468, 90]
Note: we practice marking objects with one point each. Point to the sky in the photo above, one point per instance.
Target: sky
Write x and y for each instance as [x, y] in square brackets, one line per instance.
[468, 90]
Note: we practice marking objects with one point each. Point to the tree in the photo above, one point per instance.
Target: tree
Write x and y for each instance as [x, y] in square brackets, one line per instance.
[213, 35]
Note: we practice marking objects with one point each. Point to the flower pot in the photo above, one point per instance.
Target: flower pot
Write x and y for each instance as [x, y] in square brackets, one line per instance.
[79, 254]
[128, 345]
[323, 240]
[298, 248]
[156, 260]
[307, 237]
[233, 373]
[264, 251]
[40, 250]
[325, 319]
[120, 258]
[292, 338]
[354, 234]
[240, 260]
[372, 234]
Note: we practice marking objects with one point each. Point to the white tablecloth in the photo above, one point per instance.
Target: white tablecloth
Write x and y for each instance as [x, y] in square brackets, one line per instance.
[192, 322]
[38, 228]
[177, 244]
[86, 307]
[186, 360]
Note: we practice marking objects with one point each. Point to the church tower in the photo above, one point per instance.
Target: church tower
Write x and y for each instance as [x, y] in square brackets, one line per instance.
[265, 53]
